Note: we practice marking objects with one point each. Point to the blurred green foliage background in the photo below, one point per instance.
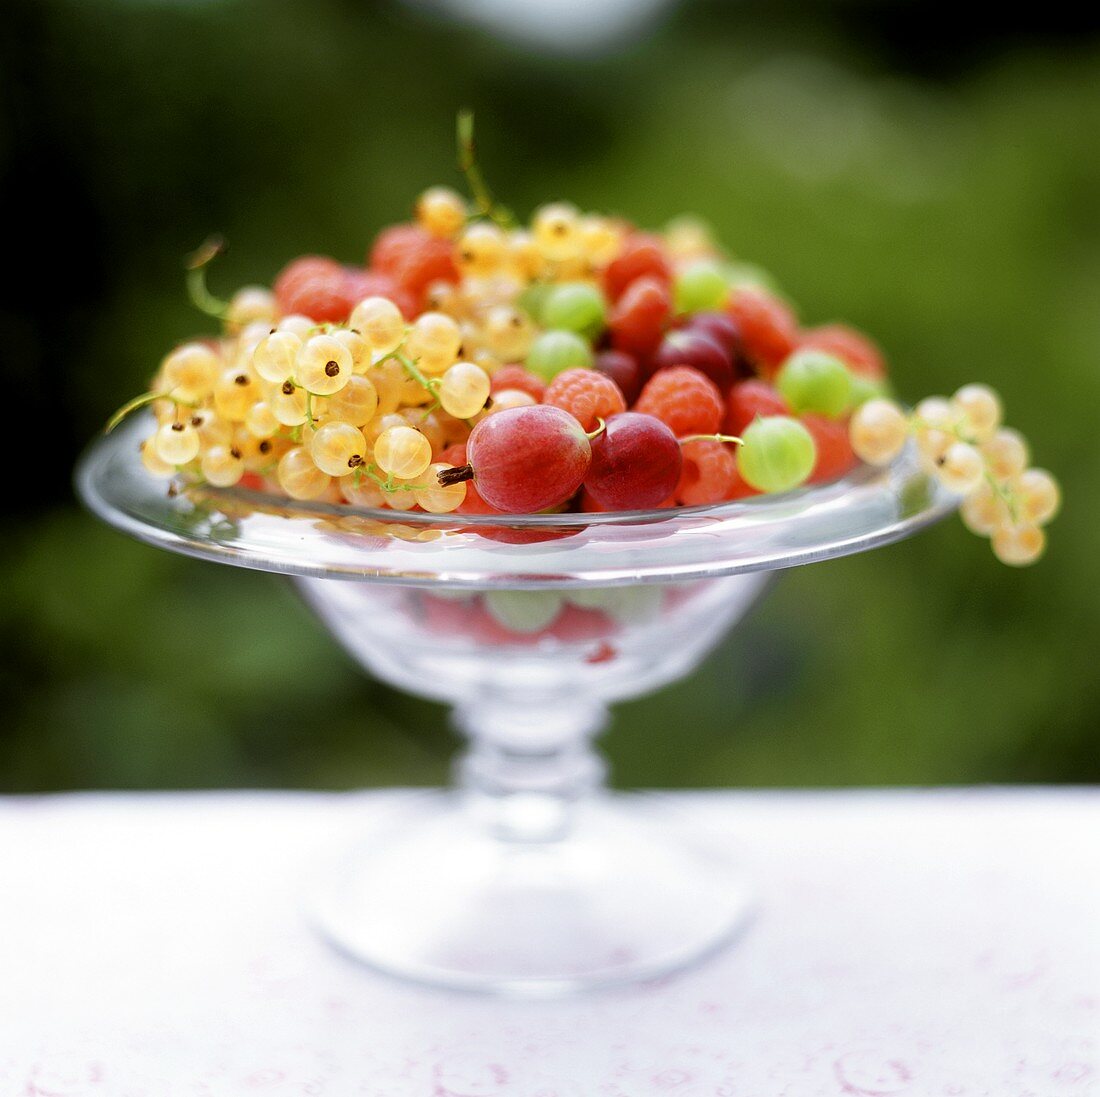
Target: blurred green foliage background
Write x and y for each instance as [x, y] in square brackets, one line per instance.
[940, 191]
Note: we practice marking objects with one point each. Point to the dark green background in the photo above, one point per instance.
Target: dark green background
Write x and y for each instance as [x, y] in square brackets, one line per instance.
[941, 191]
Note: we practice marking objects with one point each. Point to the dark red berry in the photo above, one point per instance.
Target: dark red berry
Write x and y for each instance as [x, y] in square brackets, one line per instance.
[623, 369]
[695, 349]
[635, 463]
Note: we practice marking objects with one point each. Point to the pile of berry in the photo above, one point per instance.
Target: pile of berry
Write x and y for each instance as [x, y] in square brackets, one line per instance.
[479, 366]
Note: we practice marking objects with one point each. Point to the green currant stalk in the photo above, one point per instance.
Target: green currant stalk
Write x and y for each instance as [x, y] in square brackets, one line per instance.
[730, 439]
[1007, 497]
[471, 169]
[142, 401]
[196, 265]
[413, 371]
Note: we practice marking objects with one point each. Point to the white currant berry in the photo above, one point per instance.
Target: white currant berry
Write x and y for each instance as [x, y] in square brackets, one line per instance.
[402, 452]
[878, 431]
[300, 477]
[1018, 543]
[380, 322]
[979, 407]
[1039, 495]
[323, 365]
[960, 469]
[177, 443]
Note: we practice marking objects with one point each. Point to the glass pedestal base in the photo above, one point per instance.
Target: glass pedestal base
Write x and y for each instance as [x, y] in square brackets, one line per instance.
[447, 897]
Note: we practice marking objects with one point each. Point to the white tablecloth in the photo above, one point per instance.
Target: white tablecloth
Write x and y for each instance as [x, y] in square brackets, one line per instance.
[928, 944]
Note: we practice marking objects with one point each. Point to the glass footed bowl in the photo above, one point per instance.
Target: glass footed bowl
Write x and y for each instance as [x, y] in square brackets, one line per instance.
[528, 879]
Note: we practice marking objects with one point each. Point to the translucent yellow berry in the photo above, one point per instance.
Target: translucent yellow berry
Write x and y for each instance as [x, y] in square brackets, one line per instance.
[1018, 544]
[275, 356]
[388, 378]
[402, 452]
[250, 304]
[441, 211]
[355, 403]
[323, 366]
[935, 411]
[152, 461]
[260, 420]
[432, 496]
[557, 231]
[979, 408]
[380, 322]
[481, 250]
[299, 477]
[177, 443]
[289, 404]
[524, 257]
[878, 431]
[960, 469]
[932, 444]
[222, 466]
[434, 341]
[508, 333]
[1039, 495]
[366, 493]
[190, 371]
[259, 454]
[983, 511]
[338, 448]
[445, 297]
[212, 430]
[299, 325]
[601, 239]
[358, 348]
[463, 390]
[249, 338]
[689, 238]
[235, 391]
[1006, 453]
[510, 398]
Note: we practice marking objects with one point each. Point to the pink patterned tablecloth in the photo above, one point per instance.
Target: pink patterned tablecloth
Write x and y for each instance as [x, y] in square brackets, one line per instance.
[926, 944]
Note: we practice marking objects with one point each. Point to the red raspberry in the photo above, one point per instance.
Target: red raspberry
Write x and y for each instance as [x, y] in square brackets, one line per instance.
[769, 330]
[852, 347]
[393, 244]
[834, 449]
[516, 377]
[747, 400]
[708, 474]
[641, 255]
[586, 394]
[432, 262]
[639, 317]
[684, 399]
[313, 286]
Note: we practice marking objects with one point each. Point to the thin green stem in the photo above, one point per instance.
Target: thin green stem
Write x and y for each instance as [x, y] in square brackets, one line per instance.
[732, 439]
[139, 402]
[196, 264]
[467, 163]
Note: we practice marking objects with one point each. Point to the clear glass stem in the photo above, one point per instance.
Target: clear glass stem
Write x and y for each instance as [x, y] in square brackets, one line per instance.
[529, 762]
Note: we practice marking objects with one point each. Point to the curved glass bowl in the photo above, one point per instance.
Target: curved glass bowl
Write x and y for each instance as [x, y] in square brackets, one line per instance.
[528, 880]
[867, 508]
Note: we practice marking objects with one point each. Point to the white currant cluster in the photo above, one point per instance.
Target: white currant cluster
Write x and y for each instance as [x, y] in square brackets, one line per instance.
[962, 442]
